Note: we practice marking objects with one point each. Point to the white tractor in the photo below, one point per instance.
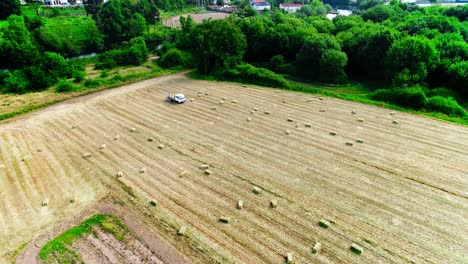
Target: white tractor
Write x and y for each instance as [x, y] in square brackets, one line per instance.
[176, 98]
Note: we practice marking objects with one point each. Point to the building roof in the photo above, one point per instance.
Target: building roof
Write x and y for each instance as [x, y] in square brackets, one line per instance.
[290, 5]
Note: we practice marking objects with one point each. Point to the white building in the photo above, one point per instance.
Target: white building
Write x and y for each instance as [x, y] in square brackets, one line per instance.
[260, 5]
[290, 7]
[339, 12]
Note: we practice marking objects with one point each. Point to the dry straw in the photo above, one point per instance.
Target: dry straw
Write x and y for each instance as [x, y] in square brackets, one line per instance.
[256, 190]
[316, 248]
[224, 219]
[182, 230]
[324, 223]
[356, 248]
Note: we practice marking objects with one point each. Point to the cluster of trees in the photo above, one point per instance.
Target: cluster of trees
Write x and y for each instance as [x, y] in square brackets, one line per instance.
[398, 45]
[32, 52]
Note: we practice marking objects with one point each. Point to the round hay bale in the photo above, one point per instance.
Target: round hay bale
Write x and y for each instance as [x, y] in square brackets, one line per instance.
[224, 98]
[221, 102]
[357, 249]
[74, 126]
[206, 93]
[204, 166]
[287, 132]
[395, 122]
[320, 98]
[274, 203]
[103, 146]
[290, 119]
[224, 219]
[234, 101]
[45, 203]
[208, 172]
[87, 155]
[191, 99]
[183, 174]
[142, 170]
[267, 112]
[353, 112]
[360, 120]
[182, 230]
[160, 146]
[284, 101]
[249, 119]
[359, 141]
[240, 204]
[256, 190]
[116, 137]
[324, 223]
[289, 258]
[24, 158]
[316, 248]
[132, 129]
[255, 109]
[349, 143]
[252, 112]
[307, 125]
[119, 174]
[150, 139]
[392, 113]
[322, 110]
[333, 133]
[213, 108]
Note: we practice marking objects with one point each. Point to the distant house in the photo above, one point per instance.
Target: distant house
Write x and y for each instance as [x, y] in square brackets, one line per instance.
[215, 2]
[339, 12]
[290, 7]
[260, 5]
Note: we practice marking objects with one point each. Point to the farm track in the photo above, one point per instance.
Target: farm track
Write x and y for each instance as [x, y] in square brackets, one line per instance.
[401, 194]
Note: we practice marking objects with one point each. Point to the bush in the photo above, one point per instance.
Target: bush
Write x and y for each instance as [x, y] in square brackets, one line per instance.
[15, 82]
[413, 97]
[91, 83]
[134, 52]
[251, 74]
[175, 57]
[446, 105]
[79, 76]
[64, 86]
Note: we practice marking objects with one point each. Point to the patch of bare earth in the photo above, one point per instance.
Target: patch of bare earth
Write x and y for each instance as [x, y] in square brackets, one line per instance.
[397, 190]
[174, 22]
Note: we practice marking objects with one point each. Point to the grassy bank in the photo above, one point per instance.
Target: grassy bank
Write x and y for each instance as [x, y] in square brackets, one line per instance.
[351, 92]
[17, 104]
[60, 247]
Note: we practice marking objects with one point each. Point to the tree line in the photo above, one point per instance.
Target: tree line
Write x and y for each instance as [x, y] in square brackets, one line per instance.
[417, 52]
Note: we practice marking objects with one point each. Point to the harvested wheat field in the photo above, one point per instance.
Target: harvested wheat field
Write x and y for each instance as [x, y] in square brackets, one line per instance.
[255, 175]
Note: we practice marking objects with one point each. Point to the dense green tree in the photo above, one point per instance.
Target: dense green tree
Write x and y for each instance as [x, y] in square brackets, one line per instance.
[321, 58]
[17, 46]
[378, 13]
[93, 7]
[366, 48]
[119, 22]
[366, 4]
[9, 7]
[410, 59]
[217, 44]
[315, 8]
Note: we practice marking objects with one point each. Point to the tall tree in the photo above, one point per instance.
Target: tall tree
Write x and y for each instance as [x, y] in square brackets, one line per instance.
[218, 44]
[93, 7]
[9, 7]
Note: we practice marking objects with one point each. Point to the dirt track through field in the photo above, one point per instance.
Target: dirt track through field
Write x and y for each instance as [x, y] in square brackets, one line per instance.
[402, 194]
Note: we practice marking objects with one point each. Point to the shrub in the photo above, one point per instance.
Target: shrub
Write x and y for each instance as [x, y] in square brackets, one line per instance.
[64, 86]
[251, 74]
[92, 83]
[15, 82]
[413, 97]
[446, 105]
[134, 52]
[79, 76]
[104, 74]
[175, 57]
